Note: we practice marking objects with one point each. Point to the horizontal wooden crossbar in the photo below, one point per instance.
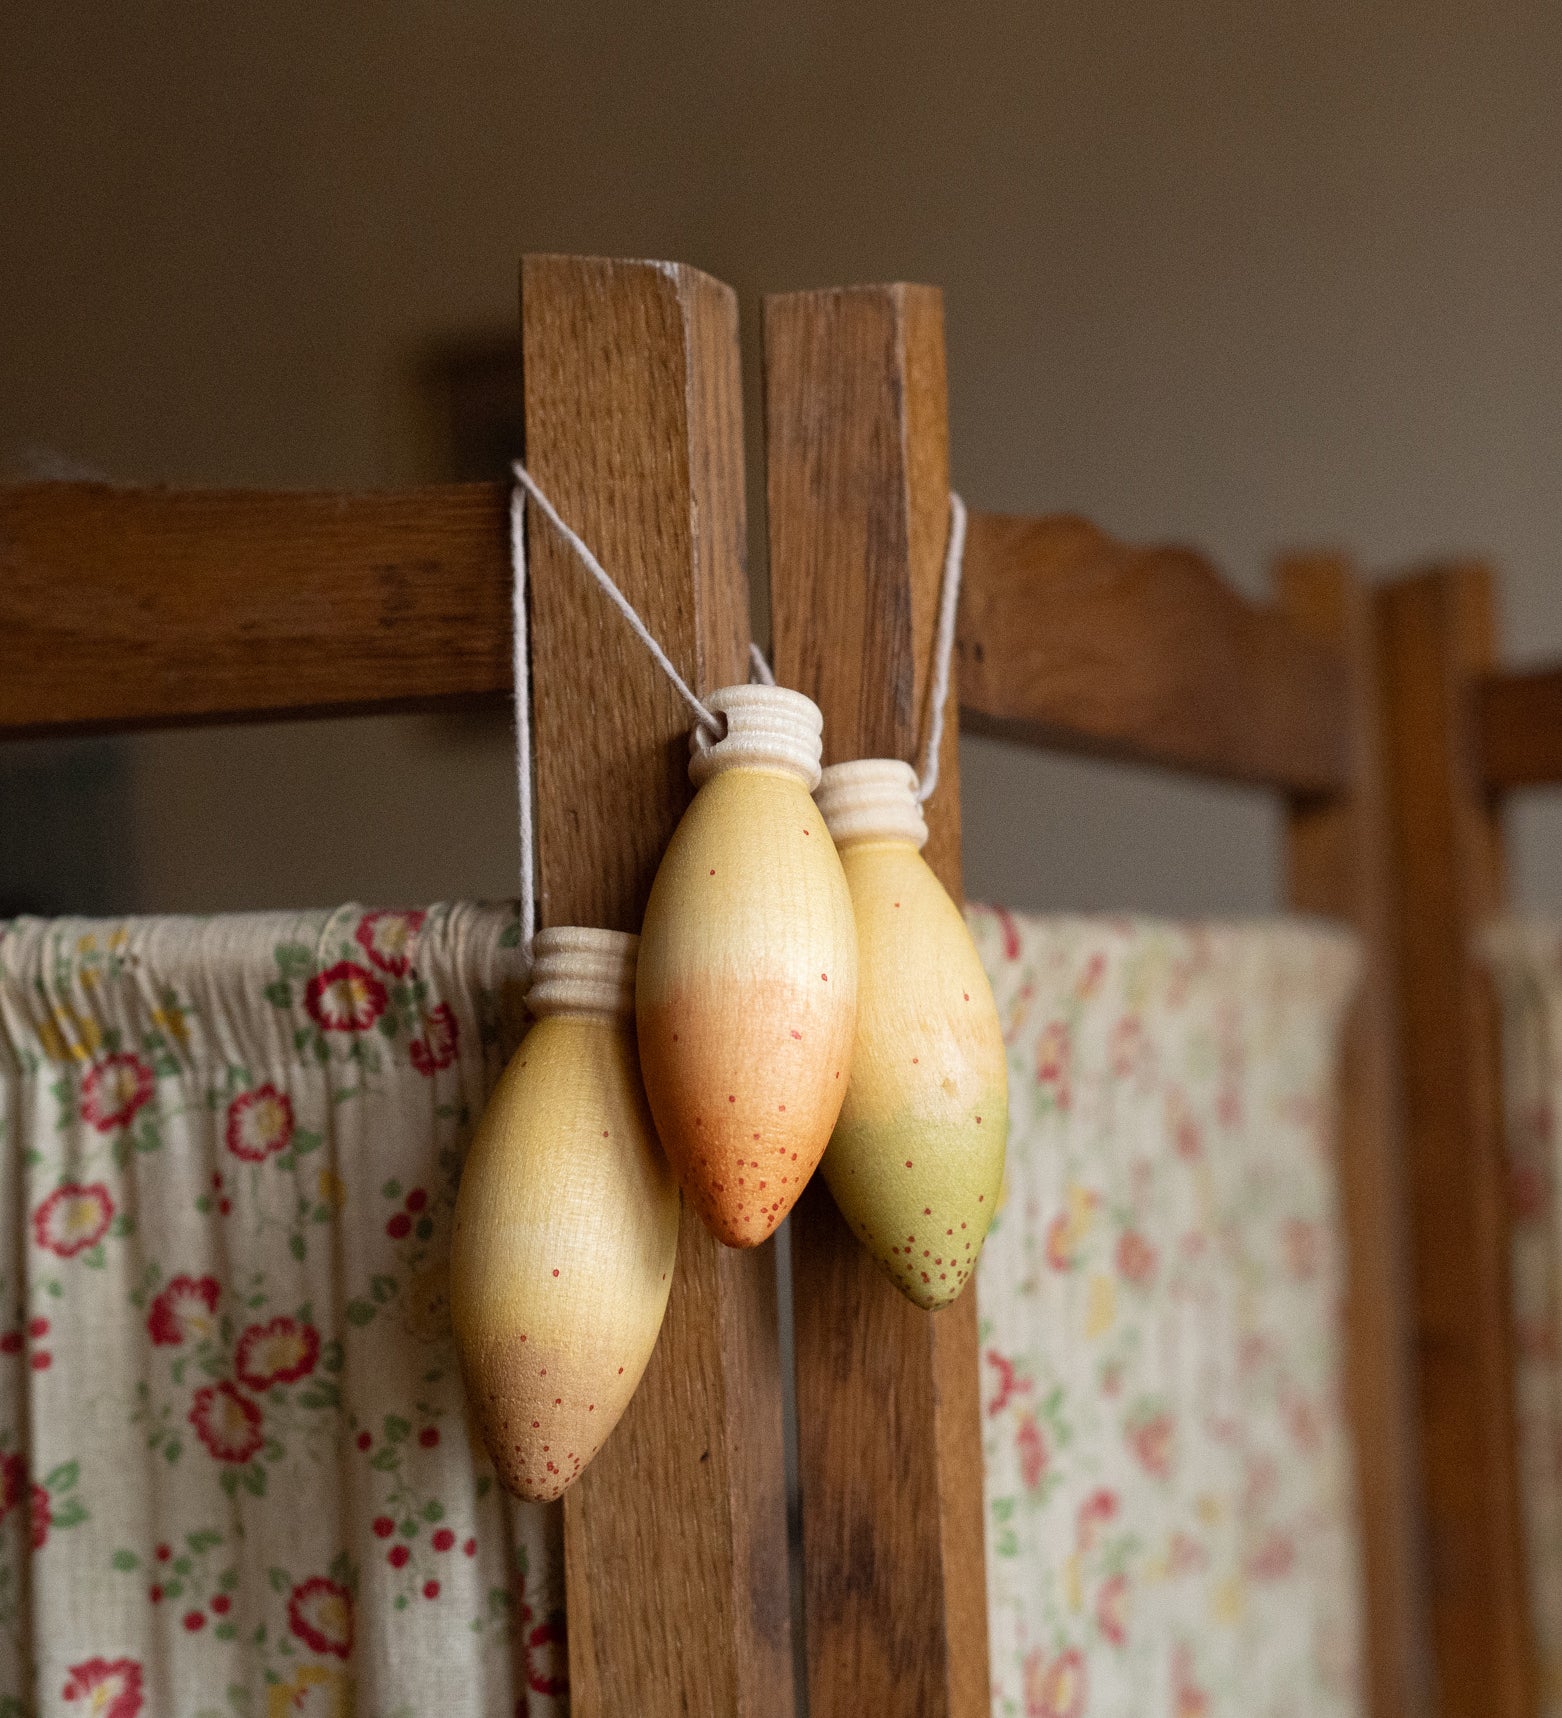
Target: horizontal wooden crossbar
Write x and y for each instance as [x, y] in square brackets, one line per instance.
[142, 608]
[1519, 728]
[1074, 641]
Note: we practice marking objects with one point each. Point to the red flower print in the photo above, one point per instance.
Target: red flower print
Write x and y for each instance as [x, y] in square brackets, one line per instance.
[1011, 933]
[260, 1123]
[227, 1421]
[387, 938]
[1273, 1558]
[1099, 1507]
[1055, 1688]
[1135, 1258]
[73, 1218]
[1059, 1243]
[1184, 1130]
[13, 1482]
[281, 1352]
[1303, 1248]
[114, 1090]
[1008, 1385]
[437, 1047]
[111, 1685]
[184, 1308]
[1032, 1448]
[1127, 1047]
[345, 998]
[1112, 1609]
[547, 1661]
[42, 1517]
[1191, 1700]
[1150, 1438]
[320, 1613]
[1052, 1062]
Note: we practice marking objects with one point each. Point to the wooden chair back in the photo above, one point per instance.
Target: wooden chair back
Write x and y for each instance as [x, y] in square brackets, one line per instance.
[124, 609]
[1461, 737]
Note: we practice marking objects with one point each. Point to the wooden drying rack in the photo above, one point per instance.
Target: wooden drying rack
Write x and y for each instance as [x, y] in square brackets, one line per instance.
[126, 609]
[1462, 737]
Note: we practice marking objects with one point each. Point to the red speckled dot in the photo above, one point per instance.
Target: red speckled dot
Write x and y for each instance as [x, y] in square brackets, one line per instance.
[555, 1270]
[428, 1437]
[194, 1621]
[222, 1604]
[470, 1547]
[444, 1539]
[908, 1163]
[383, 1527]
[42, 1361]
[38, 1327]
[431, 1589]
[825, 976]
[417, 1199]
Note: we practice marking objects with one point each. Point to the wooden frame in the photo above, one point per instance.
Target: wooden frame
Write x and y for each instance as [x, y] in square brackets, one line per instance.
[1459, 737]
[181, 605]
[1073, 640]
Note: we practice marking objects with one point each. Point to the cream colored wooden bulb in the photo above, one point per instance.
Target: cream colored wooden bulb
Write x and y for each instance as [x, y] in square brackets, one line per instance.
[746, 997]
[916, 1161]
[566, 1225]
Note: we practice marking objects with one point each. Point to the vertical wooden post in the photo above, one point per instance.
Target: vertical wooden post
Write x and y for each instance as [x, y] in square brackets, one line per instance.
[675, 1537]
[1436, 640]
[1339, 865]
[888, 1410]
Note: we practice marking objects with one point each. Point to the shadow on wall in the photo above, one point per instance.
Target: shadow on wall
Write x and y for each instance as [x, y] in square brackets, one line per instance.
[66, 816]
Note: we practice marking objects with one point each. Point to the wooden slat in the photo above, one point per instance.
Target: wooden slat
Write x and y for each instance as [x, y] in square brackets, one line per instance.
[887, 1396]
[1075, 641]
[1338, 851]
[1520, 717]
[675, 1537]
[127, 608]
[1435, 644]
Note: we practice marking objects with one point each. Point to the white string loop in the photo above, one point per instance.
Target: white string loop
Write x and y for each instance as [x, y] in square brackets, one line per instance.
[526, 484]
[523, 719]
[759, 669]
[943, 647]
[619, 601]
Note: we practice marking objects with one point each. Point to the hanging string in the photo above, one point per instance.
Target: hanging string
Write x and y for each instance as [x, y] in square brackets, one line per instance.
[943, 646]
[614, 595]
[526, 484]
[523, 720]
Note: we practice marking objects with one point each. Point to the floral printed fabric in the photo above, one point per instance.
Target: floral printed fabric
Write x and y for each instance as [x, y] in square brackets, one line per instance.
[1169, 1489]
[235, 1477]
[1527, 963]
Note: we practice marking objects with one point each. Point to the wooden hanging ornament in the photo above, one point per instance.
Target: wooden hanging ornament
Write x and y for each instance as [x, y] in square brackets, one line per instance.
[746, 998]
[566, 1225]
[916, 1160]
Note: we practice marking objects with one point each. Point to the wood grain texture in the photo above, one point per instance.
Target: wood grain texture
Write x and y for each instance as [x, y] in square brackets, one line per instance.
[1435, 645]
[137, 608]
[1338, 851]
[888, 1412]
[1520, 720]
[675, 1540]
[1072, 640]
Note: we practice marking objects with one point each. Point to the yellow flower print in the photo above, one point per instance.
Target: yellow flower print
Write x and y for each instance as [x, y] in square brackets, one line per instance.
[312, 1691]
[331, 1189]
[67, 1037]
[1229, 1600]
[87, 944]
[1100, 1307]
[172, 1021]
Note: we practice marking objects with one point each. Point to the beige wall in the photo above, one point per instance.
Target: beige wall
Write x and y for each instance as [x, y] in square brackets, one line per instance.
[1248, 275]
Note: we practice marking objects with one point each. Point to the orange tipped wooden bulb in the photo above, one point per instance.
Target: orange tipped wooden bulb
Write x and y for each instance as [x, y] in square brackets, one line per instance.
[916, 1161]
[746, 997]
[566, 1224]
